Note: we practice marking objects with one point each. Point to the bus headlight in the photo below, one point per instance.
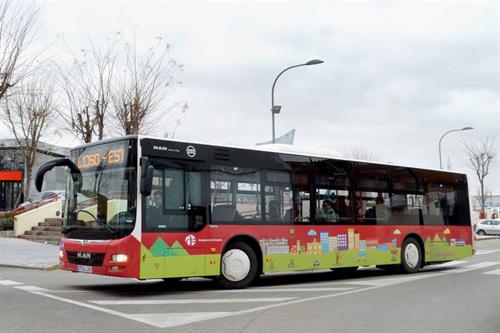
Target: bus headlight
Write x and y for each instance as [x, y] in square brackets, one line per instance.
[119, 257]
[61, 254]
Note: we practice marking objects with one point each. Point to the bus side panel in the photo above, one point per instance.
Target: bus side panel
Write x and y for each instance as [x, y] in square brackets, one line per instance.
[298, 247]
[312, 247]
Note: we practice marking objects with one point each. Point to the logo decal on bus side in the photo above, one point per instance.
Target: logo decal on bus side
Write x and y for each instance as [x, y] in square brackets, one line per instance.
[190, 240]
[162, 148]
[191, 151]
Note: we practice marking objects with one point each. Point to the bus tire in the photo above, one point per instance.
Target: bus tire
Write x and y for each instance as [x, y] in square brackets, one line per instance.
[238, 266]
[411, 256]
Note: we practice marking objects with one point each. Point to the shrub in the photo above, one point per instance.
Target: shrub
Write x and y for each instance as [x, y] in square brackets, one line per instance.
[6, 221]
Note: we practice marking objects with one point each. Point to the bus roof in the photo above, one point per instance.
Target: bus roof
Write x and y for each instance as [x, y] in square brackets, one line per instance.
[273, 148]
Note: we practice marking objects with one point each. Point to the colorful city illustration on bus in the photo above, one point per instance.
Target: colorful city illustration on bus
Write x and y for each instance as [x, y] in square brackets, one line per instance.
[314, 249]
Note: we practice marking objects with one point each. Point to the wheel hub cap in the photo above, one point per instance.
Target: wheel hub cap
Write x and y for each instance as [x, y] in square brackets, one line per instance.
[412, 255]
[235, 265]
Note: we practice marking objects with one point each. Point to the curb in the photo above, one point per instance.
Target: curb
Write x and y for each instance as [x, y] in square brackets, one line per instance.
[47, 268]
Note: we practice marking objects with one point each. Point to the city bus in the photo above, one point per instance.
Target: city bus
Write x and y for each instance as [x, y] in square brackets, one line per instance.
[149, 208]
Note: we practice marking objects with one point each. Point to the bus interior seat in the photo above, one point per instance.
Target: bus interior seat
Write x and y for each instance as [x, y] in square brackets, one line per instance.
[274, 211]
[224, 213]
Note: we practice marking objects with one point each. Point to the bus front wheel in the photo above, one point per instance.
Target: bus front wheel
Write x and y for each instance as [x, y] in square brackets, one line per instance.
[238, 266]
[411, 256]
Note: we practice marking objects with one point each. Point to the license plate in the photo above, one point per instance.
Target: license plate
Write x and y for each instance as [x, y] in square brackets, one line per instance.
[84, 269]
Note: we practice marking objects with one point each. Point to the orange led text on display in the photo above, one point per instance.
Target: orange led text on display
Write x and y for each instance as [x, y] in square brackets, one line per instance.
[94, 159]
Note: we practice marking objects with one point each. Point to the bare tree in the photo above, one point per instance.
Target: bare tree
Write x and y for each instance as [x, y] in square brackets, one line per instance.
[28, 114]
[87, 86]
[361, 153]
[139, 98]
[17, 22]
[481, 154]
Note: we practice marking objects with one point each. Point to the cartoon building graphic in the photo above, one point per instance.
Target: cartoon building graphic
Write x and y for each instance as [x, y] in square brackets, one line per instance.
[274, 246]
[356, 242]
[342, 242]
[372, 243]
[333, 244]
[325, 241]
[314, 247]
[350, 238]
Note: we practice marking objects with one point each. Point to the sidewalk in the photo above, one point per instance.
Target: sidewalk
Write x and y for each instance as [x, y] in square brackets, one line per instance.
[16, 252]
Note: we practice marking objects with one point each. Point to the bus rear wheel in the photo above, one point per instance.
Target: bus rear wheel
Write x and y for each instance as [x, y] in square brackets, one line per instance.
[238, 266]
[411, 256]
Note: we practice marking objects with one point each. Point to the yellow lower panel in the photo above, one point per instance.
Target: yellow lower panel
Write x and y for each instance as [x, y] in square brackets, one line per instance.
[335, 259]
[178, 265]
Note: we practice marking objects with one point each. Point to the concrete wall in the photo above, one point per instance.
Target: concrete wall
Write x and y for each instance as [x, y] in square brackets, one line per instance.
[31, 218]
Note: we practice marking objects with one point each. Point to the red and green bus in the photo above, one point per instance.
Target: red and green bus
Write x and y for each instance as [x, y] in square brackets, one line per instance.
[149, 208]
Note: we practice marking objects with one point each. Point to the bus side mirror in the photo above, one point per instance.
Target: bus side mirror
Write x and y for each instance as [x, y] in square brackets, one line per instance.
[75, 172]
[146, 176]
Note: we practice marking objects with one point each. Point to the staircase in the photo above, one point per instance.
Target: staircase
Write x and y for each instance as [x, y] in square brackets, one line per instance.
[48, 232]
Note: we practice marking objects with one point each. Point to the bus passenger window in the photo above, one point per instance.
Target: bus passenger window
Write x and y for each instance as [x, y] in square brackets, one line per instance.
[373, 207]
[302, 207]
[278, 197]
[235, 195]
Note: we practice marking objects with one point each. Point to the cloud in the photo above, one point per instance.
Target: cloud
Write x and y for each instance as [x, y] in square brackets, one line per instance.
[312, 233]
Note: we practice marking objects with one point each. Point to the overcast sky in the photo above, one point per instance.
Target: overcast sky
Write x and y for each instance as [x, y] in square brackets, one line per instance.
[397, 74]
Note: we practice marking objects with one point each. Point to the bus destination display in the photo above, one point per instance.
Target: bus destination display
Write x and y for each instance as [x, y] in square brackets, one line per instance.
[103, 156]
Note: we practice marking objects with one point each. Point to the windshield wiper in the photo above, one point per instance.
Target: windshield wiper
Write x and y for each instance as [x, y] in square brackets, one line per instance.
[106, 226]
[73, 227]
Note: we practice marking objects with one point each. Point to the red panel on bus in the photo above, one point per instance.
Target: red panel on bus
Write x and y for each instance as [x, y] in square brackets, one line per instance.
[11, 176]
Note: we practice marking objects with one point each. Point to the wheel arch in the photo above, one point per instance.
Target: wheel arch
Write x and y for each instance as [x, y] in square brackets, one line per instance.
[250, 241]
[418, 238]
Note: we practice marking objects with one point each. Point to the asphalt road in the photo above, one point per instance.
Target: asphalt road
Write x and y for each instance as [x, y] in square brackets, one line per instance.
[461, 296]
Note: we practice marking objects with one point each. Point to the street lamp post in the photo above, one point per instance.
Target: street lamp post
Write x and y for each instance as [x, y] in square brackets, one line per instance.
[454, 130]
[275, 109]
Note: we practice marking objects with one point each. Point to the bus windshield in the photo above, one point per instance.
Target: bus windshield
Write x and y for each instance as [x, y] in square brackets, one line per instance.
[103, 204]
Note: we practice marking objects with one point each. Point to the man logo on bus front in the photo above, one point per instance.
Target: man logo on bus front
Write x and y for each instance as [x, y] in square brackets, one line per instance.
[190, 240]
[191, 151]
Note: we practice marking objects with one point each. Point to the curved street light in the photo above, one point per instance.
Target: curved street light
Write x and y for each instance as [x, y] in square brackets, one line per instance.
[454, 130]
[275, 109]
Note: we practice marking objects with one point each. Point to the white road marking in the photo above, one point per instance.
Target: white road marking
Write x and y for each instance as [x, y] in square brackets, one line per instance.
[480, 252]
[451, 263]
[84, 305]
[31, 288]
[474, 267]
[384, 282]
[287, 290]
[9, 283]
[164, 320]
[494, 272]
[193, 301]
